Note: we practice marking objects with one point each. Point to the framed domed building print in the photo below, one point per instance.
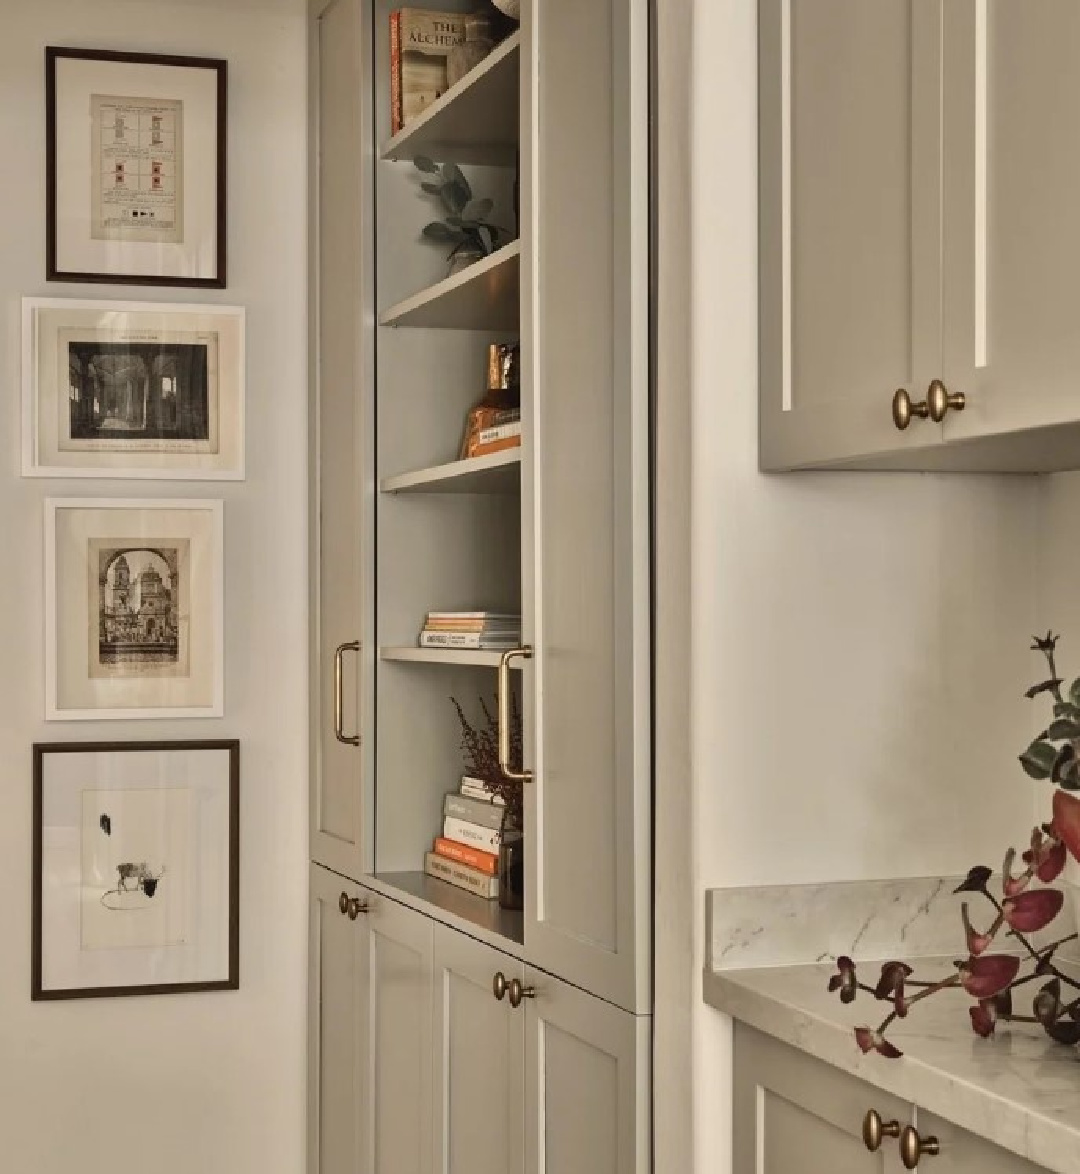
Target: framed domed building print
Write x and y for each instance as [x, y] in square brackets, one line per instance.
[133, 609]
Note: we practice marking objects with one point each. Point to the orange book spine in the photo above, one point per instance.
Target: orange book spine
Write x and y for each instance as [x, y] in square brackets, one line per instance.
[485, 862]
[483, 450]
[396, 113]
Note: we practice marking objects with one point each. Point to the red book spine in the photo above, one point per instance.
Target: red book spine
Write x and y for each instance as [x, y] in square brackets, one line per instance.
[396, 112]
[485, 862]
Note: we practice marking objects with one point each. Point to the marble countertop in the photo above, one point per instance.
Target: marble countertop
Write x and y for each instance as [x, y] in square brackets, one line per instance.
[1017, 1089]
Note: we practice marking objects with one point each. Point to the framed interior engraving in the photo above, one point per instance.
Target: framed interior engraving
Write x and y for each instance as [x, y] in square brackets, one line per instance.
[130, 389]
[136, 878]
[134, 603]
[135, 168]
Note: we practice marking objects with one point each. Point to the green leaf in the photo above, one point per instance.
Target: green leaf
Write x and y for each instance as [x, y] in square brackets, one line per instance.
[478, 209]
[1038, 759]
[432, 189]
[453, 174]
[423, 163]
[443, 233]
[1063, 727]
[1074, 692]
[1064, 709]
[485, 234]
[457, 196]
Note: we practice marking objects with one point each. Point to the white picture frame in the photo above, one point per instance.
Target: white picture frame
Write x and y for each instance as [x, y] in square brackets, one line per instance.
[134, 609]
[141, 390]
[136, 868]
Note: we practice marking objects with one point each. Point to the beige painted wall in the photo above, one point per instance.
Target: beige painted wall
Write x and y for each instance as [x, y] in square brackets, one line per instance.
[860, 641]
[212, 1083]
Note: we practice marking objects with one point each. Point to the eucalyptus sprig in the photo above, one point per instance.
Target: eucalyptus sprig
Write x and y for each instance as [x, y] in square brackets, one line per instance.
[467, 225]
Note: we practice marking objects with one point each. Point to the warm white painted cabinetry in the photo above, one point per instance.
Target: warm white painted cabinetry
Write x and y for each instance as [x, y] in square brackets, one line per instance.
[795, 1113]
[918, 225]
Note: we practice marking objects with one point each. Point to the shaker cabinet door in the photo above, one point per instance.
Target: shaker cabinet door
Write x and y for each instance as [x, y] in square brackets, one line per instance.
[586, 1082]
[1012, 233]
[850, 225]
[340, 533]
[585, 531]
[334, 1027]
[479, 1101]
[792, 1112]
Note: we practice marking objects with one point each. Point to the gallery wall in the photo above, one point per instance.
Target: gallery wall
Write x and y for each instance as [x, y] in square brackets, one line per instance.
[174, 1083]
[860, 641]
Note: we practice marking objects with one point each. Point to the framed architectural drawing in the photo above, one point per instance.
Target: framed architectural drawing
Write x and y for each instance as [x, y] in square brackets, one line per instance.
[136, 879]
[133, 609]
[129, 389]
[135, 168]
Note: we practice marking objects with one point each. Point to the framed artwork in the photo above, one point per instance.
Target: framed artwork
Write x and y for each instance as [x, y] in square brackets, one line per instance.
[135, 168]
[134, 603]
[128, 389]
[136, 881]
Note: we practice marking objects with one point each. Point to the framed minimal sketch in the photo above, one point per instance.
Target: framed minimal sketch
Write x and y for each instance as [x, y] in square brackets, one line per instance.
[133, 609]
[135, 168]
[136, 880]
[128, 389]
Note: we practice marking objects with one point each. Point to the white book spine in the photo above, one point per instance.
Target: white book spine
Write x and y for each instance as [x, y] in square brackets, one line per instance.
[486, 839]
[474, 789]
[466, 640]
[499, 432]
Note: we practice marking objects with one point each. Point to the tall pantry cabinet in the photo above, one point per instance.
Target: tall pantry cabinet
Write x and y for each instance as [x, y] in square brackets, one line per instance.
[446, 1032]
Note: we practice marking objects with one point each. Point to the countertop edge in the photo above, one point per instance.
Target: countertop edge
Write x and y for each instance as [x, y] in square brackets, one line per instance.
[978, 1110]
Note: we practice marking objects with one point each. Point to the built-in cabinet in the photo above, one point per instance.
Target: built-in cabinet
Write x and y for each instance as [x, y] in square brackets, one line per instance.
[918, 240]
[793, 1112]
[554, 127]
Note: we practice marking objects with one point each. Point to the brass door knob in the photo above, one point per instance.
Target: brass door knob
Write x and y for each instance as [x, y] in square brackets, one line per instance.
[499, 985]
[939, 400]
[519, 992]
[352, 906]
[874, 1130]
[913, 1147]
[903, 409]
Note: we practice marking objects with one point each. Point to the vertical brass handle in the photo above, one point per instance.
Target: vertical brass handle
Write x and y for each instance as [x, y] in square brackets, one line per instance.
[913, 1147]
[939, 400]
[499, 985]
[522, 776]
[874, 1130]
[519, 992]
[339, 702]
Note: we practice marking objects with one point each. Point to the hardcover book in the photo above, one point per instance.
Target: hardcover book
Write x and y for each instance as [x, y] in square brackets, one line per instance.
[478, 811]
[461, 875]
[486, 862]
[420, 41]
[473, 835]
[469, 640]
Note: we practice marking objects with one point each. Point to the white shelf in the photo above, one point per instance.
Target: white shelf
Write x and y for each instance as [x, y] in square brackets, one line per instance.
[498, 473]
[475, 121]
[480, 657]
[487, 920]
[482, 297]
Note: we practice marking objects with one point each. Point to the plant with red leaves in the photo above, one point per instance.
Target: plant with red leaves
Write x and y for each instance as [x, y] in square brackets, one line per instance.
[991, 978]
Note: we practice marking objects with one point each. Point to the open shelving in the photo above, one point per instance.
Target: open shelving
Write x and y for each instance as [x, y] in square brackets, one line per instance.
[475, 657]
[482, 297]
[475, 121]
[498, 472]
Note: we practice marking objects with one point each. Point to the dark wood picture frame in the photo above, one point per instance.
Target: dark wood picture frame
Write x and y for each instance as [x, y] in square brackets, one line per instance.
[54, 269]
[232, 980]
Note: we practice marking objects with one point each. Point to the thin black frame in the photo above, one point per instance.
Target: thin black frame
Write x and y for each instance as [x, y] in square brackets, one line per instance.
[232, 982]
[52, 273]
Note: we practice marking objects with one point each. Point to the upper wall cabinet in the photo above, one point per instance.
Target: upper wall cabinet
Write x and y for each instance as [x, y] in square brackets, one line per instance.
[919, 242]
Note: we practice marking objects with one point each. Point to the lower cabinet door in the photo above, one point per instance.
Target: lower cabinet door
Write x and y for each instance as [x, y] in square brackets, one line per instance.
[395, 1039]
[479, 1100]
[960, 1152]
[335, 1012]
[794, 1113]
[586, 1082]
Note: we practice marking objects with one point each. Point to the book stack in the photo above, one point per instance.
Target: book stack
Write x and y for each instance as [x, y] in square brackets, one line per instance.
[467, 852]
[471, 630]
[420, 42]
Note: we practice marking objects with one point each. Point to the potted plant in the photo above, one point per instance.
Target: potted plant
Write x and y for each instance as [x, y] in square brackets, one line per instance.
[467, 227]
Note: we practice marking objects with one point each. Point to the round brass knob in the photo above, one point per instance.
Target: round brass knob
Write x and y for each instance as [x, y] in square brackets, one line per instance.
[343, 903]
[939, 401]
[903, 409]
[874, 1130]
[519, 992]
[913, 1147]
[499, 985]
[354, 907]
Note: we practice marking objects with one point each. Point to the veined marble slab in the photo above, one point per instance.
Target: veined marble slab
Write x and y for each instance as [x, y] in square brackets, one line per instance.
[788, 925]
[1017, 1090]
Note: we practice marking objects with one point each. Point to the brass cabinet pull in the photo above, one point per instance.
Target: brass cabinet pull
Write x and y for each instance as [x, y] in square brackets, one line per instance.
[519, 992]
[499, 985]
[935, 407]
[874, 1130]
[913, 1147]
[522, 776]
[939, 400]
[351, 907]
[343, 903]
[339, 703]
